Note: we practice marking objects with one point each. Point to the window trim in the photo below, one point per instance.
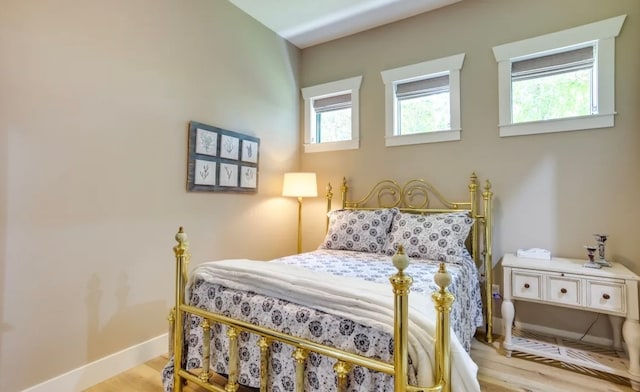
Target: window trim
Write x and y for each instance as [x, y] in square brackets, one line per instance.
[602, 34]
[338, 87]
[450, 65]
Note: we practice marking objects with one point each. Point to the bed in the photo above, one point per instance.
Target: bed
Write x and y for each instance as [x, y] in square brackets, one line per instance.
[328, 319]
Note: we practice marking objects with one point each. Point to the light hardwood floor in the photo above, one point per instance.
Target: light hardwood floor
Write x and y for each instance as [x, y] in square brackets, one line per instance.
[497, 374]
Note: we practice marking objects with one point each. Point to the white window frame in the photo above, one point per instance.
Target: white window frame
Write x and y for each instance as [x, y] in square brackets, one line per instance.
[392, 77]
[602, 35]
[338, 87]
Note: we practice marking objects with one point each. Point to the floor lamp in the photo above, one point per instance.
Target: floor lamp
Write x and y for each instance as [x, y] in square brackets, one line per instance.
[300, 185]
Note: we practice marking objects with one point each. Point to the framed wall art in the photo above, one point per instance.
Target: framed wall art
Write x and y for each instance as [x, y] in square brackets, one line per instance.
[220, 160]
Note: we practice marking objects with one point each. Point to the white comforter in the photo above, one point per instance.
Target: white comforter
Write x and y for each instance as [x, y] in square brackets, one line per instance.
[361, 301]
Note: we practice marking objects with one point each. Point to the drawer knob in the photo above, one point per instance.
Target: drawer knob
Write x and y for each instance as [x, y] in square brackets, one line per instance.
[526, 285]
[563, 291]
[605, 296]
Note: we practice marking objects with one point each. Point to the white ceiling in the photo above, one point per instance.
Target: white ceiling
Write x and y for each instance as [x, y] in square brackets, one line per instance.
[306, 23]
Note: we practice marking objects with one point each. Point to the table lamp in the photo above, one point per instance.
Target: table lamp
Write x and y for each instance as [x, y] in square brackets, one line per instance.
[300, 185]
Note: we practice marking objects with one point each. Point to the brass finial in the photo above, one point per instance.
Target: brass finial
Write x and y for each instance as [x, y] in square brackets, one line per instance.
[473, 182]
[183, 243]
[400, 259]
[181, 236]
[442, 277]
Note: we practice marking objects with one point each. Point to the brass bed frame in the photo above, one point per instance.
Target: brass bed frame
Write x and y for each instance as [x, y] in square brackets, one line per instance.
[412, 197]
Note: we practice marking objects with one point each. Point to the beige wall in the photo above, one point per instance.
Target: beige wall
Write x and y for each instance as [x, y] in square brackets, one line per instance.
[95, 99]
[552, 191]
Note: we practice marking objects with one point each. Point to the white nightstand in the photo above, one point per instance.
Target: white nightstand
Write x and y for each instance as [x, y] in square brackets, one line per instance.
[565, 282]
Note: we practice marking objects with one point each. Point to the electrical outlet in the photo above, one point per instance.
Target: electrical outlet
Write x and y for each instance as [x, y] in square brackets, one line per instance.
[495, 291]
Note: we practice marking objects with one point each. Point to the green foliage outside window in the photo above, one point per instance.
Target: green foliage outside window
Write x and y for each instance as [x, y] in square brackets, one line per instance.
[422, 114]
[333, 125]
[552, 97]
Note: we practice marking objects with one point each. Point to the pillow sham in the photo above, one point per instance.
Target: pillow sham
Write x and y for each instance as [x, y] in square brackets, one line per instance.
[438, 237]
[358, 230]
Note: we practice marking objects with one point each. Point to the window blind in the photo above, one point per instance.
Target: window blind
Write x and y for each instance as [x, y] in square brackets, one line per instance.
[334, 102]
[572, 60]
[422, 86]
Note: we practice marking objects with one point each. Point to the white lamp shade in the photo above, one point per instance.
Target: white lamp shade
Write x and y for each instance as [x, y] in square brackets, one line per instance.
[300, 185]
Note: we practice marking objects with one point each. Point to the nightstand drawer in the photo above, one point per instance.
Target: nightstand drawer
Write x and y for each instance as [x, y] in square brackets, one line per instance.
[606, 296]
[564, 290]
[526, 285]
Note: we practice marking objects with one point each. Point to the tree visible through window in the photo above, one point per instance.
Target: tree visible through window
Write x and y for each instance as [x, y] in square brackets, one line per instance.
[427, 113]
[333, 122]
[552, 97]
[553, 85]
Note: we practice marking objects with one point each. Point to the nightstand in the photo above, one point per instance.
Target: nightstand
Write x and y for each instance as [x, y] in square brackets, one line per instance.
[565, 282]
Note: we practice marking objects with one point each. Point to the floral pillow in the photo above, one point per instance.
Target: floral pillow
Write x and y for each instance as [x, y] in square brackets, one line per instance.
[438, 237]
[358, 230]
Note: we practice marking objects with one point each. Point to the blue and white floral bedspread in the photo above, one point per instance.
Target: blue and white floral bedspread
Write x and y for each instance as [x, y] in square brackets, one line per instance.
[318, 326]
[466, 314]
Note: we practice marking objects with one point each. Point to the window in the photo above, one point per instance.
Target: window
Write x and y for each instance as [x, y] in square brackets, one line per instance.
[423, 102]
[562, 81]
[332, 116]
[423, 105]
[333, 119]
[554, 86]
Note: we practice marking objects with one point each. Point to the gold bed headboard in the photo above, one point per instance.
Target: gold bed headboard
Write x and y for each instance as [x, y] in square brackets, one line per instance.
[415, 196]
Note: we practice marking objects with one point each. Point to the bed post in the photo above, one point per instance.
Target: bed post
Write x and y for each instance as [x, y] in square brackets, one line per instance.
[343, 190]
[183, 256]
[401, 284]
[443, 300]
[329, 197]
[487, 197]
[172, 324]
[473, 190]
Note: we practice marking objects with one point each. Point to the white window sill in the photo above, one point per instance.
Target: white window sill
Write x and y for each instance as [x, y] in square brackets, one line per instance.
[558, 125]
[332, 146]
[422, 138]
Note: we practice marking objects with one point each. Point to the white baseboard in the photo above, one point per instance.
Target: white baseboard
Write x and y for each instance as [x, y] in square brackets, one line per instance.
[601, 341]
[95, 372]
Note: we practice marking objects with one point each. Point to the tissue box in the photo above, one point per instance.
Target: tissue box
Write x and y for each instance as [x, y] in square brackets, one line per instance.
[534, 253]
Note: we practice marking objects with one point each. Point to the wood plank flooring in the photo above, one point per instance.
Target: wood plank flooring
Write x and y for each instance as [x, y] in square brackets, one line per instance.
[497, 374]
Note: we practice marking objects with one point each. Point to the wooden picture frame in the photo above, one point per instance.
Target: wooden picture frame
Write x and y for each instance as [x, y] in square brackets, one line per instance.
[220, 160]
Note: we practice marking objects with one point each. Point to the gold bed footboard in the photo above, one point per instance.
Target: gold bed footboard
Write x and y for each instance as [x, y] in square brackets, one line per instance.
[302, 347]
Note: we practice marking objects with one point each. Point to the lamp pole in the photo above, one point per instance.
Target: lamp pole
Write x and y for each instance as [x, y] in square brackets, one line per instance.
[299, 224]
